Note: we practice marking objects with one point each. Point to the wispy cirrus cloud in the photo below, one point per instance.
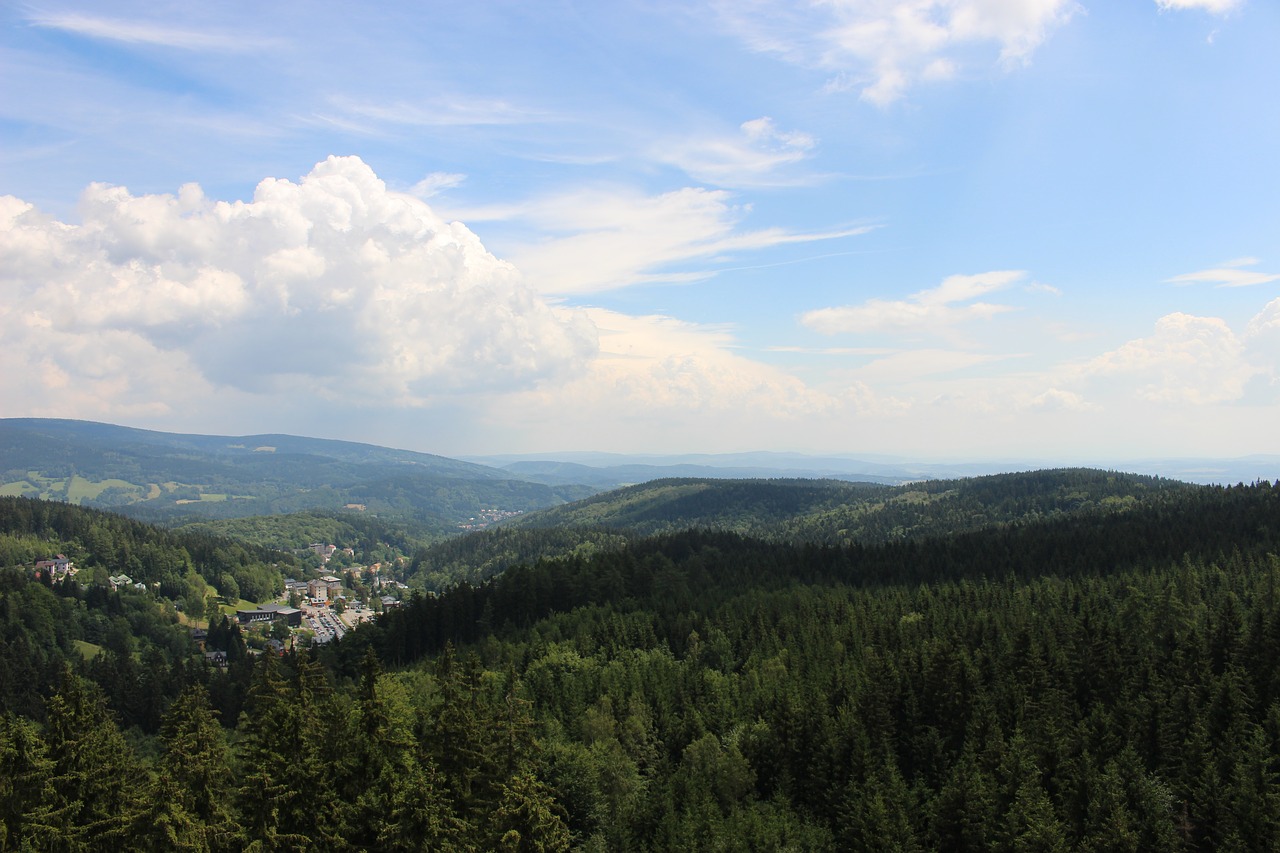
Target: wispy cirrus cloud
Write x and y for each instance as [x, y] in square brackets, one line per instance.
[1217, 7]
[882, 48]
[435, 183]
[1229, 274]
[952, 302]
[600, 239]
[758, 155]
[145, 33]
[440, 111]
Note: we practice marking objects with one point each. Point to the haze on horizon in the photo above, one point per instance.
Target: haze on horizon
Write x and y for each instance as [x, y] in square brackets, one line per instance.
[929, 228]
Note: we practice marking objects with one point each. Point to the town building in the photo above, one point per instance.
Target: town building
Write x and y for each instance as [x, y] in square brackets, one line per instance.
[291, 616]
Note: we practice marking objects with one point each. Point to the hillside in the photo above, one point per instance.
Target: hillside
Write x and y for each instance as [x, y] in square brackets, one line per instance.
[824, 512]
[1094, 664]
[614, 470]
[164, 476]
[836, 512]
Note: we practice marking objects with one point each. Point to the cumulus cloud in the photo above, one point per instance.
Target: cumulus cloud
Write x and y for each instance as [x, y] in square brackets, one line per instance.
[1057, 400]
[931, 309]
[1187, 359]
[656, 363]
[752, 158]
[659, 379]
[331, 286]
[1261, 340]
[884, 47]
[1229, 274]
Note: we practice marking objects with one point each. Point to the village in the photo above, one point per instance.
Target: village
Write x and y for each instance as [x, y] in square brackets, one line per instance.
[316, 610]
[325, 608]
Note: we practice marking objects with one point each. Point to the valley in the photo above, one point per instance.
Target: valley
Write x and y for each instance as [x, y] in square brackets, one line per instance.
[1056, 659]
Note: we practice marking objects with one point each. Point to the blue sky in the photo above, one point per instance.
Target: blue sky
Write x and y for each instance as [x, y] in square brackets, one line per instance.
[935, 228]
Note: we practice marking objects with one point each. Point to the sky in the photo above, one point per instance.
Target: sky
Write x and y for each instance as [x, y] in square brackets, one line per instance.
[939, 229]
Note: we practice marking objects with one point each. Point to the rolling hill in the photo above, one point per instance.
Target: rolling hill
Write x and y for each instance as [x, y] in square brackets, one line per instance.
[794, 512]
[167, 477]
[836, 513]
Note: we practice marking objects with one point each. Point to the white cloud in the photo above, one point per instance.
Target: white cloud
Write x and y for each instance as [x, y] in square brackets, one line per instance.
[661, 383]
[331, 286]
[1217, 7]
[927, 310]
[435, 183]
[138, 32]
[1188, 359]
[1057, 400]
[1266, 324]
[1262, 343]
[437, 111]
[752, 158]
[612, 239]
[1229, 274]
[882, 48]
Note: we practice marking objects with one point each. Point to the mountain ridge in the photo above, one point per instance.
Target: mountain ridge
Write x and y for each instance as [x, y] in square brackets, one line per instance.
[164, 476]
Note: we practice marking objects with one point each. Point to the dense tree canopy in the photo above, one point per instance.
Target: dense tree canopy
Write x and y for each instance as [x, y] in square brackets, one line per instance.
[1101, 677]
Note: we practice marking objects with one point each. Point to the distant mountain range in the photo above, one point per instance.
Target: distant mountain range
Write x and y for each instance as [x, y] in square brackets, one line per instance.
[612, 470]
[170, 477]
[166, 476]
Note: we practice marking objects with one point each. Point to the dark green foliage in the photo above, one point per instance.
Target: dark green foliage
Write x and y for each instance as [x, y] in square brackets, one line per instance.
[1097, 678]
[194, 774]
[833, 512]
[479, 556]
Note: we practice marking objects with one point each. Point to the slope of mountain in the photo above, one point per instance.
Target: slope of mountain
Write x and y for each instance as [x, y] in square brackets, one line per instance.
[836, 512]
[612, 470]
[614, 476]
[822, 512]
[163, 476]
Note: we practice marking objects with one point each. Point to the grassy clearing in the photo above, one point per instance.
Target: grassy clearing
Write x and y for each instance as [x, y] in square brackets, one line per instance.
[88, 651]
[242, 604]
[17, 489]
[204, 498]
[80, 489]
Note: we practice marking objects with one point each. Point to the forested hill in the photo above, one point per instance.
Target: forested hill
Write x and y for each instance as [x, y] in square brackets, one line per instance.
[677, 573]
[827, 512]
[836, 512]
[1104, 677]
[163, 476]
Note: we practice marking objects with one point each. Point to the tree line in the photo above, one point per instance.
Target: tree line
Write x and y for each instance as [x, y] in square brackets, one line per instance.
[1106, 679]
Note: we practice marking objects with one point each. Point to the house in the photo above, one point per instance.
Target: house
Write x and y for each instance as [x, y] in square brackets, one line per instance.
[119, 581]
[57, 567]
[389, 601]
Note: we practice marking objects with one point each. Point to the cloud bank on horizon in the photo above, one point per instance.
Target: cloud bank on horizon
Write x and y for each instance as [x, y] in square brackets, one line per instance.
[931, 227]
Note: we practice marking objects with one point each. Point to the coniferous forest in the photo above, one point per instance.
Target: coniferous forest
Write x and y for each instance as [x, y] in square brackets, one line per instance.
[1002, 673]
